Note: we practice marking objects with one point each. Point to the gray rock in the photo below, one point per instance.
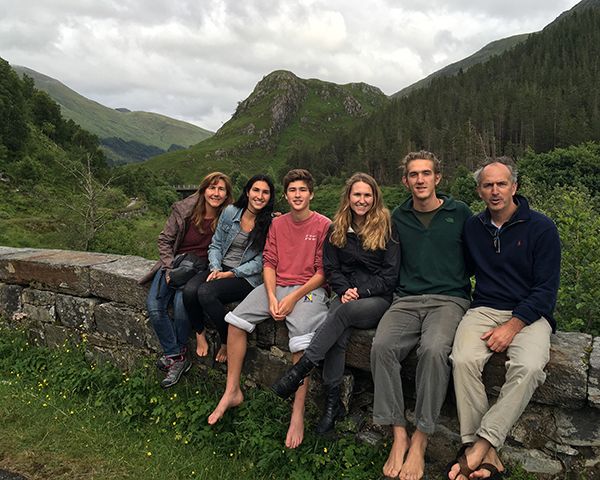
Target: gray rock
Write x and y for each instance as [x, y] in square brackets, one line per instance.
[579, 428]
[58, 270]
[566, 382]
[535, 426]
[39, 305]
[369, 437]
[594, 375]
[117, 280]
[358, 352]
[76, 312]
[57, 336]
[533, 461]
[10, 300]
[264, 367]
[39, 298]
[122, 323]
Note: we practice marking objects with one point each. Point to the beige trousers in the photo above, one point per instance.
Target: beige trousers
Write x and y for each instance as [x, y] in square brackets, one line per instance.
[527, 355]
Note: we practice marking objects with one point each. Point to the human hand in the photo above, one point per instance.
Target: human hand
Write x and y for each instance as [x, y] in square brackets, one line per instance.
[216, 275]
[286, 305]
[274, 309]
[212, 275]
[350, 295]
[498, 339]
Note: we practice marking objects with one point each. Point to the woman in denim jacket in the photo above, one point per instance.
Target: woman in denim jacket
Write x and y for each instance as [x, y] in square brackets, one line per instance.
[235, 261]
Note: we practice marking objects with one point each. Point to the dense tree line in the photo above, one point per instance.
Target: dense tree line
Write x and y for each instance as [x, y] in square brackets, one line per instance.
[542, 94]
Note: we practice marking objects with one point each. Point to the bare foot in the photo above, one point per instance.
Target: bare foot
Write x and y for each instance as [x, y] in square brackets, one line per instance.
[474, 456]
[221, 356]
[395, 460]
[414, 465]
[492, 458]
[295, 433]
[228, 400]
[201, 344]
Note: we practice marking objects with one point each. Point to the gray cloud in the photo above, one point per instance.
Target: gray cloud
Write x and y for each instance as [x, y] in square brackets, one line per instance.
[195, 60]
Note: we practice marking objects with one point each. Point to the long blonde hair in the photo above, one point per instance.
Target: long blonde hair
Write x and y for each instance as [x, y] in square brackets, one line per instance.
[200, 208]
[377, 228]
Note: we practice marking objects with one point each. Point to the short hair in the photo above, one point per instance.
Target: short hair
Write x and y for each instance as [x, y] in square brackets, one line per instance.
[421, 155]
[298, 174]
[506, 161]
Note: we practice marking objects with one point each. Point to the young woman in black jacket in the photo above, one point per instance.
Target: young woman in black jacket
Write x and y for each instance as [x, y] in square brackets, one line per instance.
[361, 258]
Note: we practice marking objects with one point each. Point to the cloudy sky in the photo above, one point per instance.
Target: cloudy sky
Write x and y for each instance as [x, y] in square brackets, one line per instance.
[195, 59]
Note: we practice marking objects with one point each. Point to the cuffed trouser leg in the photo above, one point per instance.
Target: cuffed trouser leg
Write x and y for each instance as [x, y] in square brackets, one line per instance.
[397, 334]
[442, 315]
[527, 355]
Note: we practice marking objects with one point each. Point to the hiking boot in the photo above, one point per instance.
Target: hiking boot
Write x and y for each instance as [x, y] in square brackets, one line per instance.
[293, 378]
[334, 409]
[177, 367]
[162, 363]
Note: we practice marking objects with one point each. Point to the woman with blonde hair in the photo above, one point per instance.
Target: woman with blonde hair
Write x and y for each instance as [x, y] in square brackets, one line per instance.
[183, 241]
[361, 258]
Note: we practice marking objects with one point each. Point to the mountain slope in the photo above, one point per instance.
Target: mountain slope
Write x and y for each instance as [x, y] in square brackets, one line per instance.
[493, 48]
[120, 131]
[283, 115]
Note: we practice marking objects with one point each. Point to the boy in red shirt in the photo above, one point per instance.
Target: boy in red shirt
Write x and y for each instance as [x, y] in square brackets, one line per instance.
[292, 291]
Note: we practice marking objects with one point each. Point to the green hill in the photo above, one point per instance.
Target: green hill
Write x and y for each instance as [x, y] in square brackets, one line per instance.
[125, 136]
[283, 116]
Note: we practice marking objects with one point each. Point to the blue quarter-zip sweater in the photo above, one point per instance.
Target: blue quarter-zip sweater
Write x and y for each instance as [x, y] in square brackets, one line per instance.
[517, 266]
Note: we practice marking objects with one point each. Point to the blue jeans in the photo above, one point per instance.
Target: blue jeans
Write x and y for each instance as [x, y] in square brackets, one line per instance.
[172, 334]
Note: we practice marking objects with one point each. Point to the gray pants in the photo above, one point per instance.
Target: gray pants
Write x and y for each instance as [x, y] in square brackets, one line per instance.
[330, 341]
[430, 322]
[527, 356]
[302, 322]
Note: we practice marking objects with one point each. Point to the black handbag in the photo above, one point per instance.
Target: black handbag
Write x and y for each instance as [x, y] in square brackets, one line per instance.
[185, 266]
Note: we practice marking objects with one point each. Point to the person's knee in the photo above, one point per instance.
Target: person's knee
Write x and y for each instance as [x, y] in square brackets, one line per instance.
[382, 349]
[434, 352]
[527, 370]
[205, 294]
[463, 360]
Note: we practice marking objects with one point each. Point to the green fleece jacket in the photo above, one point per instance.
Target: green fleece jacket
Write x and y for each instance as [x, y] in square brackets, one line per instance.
[432, 260]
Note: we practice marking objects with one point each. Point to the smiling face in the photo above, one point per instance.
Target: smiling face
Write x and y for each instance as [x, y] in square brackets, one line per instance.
[421, 179]
[361, 200]
[298, 196]
[496, 189]
[214, 195]
[258, 196]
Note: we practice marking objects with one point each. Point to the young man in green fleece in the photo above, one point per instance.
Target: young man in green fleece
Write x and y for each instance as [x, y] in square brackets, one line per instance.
[431, 296]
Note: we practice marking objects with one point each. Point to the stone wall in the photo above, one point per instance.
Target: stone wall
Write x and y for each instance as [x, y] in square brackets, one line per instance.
[60, 295]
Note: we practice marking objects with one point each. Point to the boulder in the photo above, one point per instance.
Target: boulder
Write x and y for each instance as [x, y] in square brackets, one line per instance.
[117, 280]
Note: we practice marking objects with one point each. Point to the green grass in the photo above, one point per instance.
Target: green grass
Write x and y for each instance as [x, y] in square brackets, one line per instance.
[63, 418]
[44, 435]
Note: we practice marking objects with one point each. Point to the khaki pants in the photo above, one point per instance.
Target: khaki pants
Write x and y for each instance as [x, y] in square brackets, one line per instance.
[527, 355]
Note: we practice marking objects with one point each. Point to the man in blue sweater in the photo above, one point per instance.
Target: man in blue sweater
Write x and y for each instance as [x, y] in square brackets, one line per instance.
[514, 253]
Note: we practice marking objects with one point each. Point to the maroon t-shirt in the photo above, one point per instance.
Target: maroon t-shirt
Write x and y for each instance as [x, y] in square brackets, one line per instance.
[196, 242]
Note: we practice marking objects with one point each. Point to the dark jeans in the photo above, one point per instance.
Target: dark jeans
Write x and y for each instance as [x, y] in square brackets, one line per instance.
[172, 334]
[209, 298]
[331, 339]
